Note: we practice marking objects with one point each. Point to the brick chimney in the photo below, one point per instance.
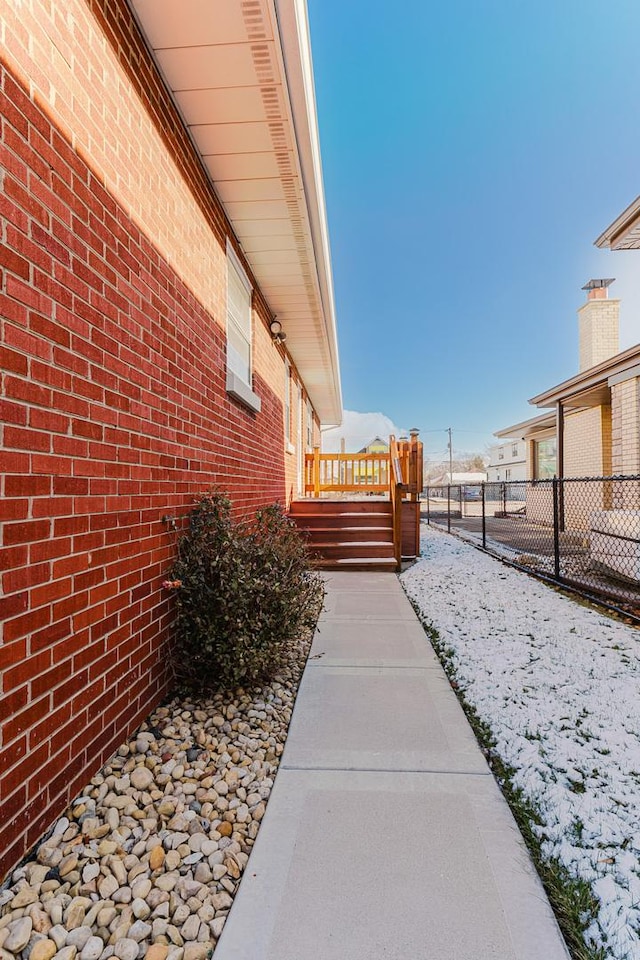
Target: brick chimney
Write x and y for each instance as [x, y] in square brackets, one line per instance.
[598, 325]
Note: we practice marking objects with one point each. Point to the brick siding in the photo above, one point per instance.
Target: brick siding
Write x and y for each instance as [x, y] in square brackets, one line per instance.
[114, 409]
[585, 434]
[625, 404]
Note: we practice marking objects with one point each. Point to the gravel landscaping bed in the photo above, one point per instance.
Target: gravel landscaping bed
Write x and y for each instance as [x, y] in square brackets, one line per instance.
[147, 860]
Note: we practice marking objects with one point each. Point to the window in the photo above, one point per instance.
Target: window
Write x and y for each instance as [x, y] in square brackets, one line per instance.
[507, 474]
[514, 450]
[239, 333]
[287, 403]
[501, 453]
[545, 459]
[309, 426]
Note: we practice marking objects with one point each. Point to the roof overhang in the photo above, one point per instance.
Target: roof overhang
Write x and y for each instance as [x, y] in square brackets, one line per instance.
[241, 76]
[624, 232]
[528, 429]
[590, 388]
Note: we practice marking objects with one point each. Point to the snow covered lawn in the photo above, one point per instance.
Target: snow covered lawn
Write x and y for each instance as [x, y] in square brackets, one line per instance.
[559, 686]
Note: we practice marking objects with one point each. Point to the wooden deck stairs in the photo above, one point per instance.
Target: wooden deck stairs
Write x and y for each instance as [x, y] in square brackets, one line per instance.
[361, 510]
[347, 535]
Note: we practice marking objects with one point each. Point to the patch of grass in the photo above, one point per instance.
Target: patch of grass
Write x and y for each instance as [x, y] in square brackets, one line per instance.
[572, 900]
[577, 829]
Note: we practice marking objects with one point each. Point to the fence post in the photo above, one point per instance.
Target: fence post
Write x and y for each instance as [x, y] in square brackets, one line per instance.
[448, 508]
[504, 500]
[556, 529]
[484, 519]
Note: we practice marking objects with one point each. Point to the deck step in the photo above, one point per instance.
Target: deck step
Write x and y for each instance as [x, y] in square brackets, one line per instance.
[318, 535]
[345, 549]
[343, 520]
[378, 565]
[339, 507]
[356, 534]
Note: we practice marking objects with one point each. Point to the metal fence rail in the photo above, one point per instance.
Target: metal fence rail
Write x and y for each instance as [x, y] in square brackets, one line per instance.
[582, 532]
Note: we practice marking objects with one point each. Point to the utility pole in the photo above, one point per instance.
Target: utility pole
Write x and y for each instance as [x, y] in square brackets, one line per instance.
[450, 456]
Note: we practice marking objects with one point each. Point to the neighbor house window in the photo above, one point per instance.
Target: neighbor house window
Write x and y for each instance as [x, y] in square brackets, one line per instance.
[239, 333]
[514, 450]
[500, 454]
[545, 459]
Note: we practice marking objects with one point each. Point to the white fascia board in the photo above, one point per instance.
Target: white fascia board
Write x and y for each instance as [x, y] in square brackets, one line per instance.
[295, 44]
[631, 374]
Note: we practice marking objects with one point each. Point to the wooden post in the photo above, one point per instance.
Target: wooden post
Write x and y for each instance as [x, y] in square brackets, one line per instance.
[316, 471]
[415, 465]
[415, 452]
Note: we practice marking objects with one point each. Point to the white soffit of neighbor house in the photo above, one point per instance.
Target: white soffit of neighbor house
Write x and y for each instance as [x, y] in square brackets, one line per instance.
[240, 72]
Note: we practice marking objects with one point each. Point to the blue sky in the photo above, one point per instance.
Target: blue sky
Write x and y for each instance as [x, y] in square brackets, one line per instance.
[472, 152]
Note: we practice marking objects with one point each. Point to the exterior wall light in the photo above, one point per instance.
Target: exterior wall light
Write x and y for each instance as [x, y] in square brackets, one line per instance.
[277, 332]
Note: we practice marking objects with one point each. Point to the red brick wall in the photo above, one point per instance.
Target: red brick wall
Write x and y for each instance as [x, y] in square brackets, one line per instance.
[114, 414]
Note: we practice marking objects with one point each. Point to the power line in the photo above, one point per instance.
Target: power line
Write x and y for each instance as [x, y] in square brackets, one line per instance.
[487, 433]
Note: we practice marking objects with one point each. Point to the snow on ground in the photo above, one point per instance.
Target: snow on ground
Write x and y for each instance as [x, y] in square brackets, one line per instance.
[559, 686]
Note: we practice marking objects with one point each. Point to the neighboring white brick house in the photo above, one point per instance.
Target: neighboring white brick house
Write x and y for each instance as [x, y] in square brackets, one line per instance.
[508, 461]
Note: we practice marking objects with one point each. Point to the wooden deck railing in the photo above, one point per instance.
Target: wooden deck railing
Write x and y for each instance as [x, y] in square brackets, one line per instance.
[398, 474]
[346, 473]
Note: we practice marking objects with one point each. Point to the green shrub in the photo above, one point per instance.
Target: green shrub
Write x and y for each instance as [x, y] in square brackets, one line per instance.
[244, 592]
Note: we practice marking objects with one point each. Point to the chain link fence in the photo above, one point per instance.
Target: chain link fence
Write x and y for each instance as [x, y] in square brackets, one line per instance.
[581, 532]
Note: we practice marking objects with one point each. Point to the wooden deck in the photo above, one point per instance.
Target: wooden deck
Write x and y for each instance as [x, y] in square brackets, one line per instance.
[362, 511]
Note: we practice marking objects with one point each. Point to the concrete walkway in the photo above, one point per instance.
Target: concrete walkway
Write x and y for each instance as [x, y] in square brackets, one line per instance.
[385, 835]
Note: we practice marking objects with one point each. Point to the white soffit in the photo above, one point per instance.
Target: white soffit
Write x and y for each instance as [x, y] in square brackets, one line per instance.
[240, 72]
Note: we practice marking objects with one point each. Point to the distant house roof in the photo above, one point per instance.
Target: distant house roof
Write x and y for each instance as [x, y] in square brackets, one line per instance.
[475, 476]
[376, 442]
[472, 477]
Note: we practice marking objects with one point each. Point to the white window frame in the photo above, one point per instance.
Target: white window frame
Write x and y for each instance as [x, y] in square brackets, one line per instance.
[288, 379]
[309, 426]
[237, 386]
[300, 439]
